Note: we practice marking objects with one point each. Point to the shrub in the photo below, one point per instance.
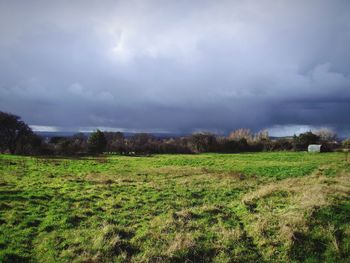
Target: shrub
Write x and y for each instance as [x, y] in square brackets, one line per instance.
[301, 142]
[346, 143]
[203, 142]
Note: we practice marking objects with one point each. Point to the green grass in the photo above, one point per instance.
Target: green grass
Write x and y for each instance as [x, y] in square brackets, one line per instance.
[253, 207]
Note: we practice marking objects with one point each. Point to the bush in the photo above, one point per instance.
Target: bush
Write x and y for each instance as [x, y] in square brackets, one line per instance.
[346, 144]
[282, 145]
[203, 142]
[301, 142]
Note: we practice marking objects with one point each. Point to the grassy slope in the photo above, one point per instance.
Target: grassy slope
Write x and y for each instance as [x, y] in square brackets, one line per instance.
[172, 208]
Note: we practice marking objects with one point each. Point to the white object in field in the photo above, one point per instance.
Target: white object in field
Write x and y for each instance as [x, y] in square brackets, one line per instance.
[314, 148]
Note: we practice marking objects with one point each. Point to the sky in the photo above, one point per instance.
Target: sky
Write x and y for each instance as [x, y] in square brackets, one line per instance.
[177, 66]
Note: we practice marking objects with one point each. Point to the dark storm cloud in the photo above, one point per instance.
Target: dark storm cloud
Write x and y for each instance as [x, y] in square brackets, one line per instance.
[176, 65]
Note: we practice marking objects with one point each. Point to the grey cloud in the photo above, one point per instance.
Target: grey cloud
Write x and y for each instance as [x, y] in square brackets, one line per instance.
[176, 65]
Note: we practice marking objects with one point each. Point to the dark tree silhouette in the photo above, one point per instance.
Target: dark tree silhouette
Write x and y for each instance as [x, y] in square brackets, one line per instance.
[203, 142]
[15, 135]
[97, 142]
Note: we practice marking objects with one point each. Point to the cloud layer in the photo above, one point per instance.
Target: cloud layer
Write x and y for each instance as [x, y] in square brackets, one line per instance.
[176, 65]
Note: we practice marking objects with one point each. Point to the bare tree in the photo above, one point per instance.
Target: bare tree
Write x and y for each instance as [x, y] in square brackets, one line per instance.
[326, 134]
[240, 134]
[262, 136]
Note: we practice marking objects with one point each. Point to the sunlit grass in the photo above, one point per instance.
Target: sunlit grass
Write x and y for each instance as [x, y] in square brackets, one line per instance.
[172, 208]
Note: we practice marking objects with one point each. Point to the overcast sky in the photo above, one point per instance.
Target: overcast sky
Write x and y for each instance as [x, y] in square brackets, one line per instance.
[177, 66]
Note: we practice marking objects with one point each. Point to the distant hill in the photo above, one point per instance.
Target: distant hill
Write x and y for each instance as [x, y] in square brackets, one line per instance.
[46, 134]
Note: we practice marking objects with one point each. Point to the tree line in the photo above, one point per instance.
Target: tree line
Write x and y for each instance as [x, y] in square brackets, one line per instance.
[16, 137]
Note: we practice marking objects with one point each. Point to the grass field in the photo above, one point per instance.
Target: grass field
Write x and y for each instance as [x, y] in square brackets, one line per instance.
[261, 207]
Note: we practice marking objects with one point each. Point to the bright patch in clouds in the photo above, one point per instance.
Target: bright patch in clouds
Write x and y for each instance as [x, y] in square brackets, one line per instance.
[288, 130]
[44, 128]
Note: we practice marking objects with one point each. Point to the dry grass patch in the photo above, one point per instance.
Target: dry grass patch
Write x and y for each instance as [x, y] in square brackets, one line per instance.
[182, 243]
[280, 210]
[175, 171]
[100, 178]
[228, 236]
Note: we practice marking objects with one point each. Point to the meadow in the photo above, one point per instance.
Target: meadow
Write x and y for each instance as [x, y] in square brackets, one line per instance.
[251, 207]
